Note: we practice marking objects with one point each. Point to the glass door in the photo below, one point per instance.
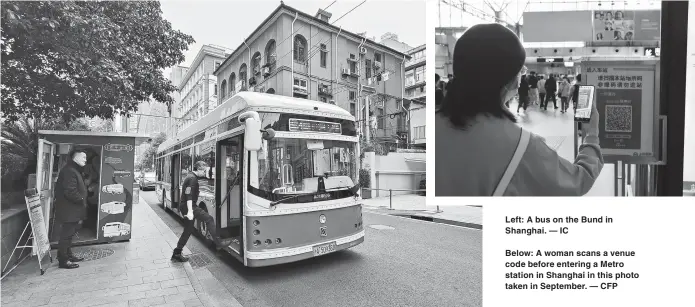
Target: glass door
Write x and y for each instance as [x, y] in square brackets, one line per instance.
[44, 175]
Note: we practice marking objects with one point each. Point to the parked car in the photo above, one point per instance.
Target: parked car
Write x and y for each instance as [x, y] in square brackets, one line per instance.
[147, 182]
[422, 187]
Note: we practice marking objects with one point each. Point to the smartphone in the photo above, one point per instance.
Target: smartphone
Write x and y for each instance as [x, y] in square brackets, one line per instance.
[585, 103]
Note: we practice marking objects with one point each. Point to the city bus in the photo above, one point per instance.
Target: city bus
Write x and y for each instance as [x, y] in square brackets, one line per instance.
[281, 179]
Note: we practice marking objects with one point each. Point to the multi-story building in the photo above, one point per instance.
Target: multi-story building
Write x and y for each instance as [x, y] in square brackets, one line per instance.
[295, 54]
[197, 88]
[175, 76]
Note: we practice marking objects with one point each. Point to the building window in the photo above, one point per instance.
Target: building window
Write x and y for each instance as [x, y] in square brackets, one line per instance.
[377, 57]
[270, 56]
[232, 83]
[353, 67]
[224, 86]
[368, 68]
[256, 63]
[380, 118]
[300, 49]
[353, 95]
[242, 76]
[215, 92]
[324, 55]
[420, 74]
[352, 108]
[300, 82]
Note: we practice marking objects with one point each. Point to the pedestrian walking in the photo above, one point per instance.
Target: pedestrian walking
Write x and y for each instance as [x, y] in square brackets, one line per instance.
[190, 190]
[70, 207]
[533, 88]
[564, 93]
[541, 89]
[523, 94]
[550, 89]
[481, 151]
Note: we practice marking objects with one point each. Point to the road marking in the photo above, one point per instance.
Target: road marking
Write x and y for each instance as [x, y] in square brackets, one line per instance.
[419, 221]
[381, 227]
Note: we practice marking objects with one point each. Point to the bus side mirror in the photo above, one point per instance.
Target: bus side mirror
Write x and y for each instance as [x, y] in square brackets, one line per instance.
[268, 134]
[252, 135]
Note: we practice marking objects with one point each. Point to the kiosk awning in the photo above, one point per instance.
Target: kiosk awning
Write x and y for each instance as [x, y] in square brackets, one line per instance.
[139, 138]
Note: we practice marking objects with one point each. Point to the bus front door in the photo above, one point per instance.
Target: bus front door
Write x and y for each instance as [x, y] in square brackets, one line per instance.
[175, 180]
[229, 213]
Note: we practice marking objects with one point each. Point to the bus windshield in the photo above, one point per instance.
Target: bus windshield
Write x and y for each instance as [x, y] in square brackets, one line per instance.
[293, 166]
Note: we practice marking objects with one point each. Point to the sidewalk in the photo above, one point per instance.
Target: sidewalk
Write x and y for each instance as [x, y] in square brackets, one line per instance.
[415, 206]
[136, 273]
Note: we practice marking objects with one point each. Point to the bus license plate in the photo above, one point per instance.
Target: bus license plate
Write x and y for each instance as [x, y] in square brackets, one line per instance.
[324, 249]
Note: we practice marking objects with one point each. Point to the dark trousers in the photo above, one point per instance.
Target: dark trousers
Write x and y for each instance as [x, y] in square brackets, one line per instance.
[542, 98]
[565, 103]
[67, 231]
[189, 228]
[548, 97]
[523, 102]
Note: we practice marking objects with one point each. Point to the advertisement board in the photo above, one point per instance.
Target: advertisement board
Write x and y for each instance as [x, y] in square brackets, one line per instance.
[117, 189]
[626, 102]
[559, 26]
[689, 142]
[620, 25]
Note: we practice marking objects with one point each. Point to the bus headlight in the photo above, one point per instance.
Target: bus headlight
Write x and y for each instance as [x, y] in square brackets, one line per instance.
[256, 232]
[322, 219]
[256, 222]
[256, 243]
[278, 241]
[268, 241]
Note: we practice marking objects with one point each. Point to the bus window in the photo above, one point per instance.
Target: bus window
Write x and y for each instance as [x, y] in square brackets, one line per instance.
[294, 165]
[186, 162]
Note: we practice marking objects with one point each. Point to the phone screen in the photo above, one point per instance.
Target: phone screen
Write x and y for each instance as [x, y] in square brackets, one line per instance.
[585, 103]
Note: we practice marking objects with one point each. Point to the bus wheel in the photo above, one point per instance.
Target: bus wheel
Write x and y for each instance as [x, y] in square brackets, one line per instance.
[202, 227]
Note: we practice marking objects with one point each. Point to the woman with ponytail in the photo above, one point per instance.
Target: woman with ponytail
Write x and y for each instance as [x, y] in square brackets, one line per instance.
[480, 150]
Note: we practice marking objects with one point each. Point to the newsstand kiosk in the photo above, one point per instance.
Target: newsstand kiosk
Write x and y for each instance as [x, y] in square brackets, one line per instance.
[109, 177]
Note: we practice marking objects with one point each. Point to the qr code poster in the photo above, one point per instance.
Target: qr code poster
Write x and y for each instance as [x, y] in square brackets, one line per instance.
[620, 113]
[618, 118]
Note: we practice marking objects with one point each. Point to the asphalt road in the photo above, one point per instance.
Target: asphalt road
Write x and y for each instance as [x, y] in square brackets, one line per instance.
[416, 263]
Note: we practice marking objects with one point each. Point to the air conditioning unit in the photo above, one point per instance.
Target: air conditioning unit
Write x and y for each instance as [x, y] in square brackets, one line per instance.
[363, 50]
[345, 71]
[266, 71]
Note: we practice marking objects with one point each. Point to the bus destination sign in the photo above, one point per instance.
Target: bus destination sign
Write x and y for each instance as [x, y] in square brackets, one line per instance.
[306, 125]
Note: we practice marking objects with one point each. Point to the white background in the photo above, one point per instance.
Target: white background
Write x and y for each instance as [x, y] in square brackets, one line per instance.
[661, 233]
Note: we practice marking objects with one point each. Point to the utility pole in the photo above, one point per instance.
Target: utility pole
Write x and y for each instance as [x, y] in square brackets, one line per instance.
[368, 123]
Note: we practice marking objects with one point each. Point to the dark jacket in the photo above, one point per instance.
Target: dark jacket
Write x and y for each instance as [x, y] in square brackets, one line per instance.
[551, 86]
[190, 189]
[523, 86]
[71, 194]
[533, 81]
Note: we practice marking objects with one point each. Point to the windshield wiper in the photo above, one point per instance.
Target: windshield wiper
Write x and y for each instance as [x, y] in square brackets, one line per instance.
[279, 201]
[352, 189]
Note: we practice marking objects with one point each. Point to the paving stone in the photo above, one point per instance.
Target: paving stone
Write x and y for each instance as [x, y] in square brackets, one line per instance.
[162, 292]
[144, 287]
[150, 301]
[175, 282]
[193, 303]
[185, 288]
[180, 297]
[158, 277]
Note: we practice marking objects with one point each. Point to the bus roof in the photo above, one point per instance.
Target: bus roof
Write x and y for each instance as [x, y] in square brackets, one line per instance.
[253, 101]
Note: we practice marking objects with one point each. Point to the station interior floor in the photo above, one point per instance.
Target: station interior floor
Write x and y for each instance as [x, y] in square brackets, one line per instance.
[557, 128]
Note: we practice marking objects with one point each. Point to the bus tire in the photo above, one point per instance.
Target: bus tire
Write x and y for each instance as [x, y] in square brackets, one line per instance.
[201, 227]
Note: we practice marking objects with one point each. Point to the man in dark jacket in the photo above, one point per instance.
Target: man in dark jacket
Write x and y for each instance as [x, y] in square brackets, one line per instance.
[70, 206]
[190, 189]
[551, 91]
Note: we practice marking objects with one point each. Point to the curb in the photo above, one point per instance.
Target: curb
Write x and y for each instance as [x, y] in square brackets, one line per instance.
[415, 214]
[195, 282]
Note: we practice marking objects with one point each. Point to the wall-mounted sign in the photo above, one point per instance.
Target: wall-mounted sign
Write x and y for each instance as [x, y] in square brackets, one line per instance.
[112, 160]
[115, 229]
[118, 147]
[626, 105]
[620, 25]
[306, 125]
[652, 51]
